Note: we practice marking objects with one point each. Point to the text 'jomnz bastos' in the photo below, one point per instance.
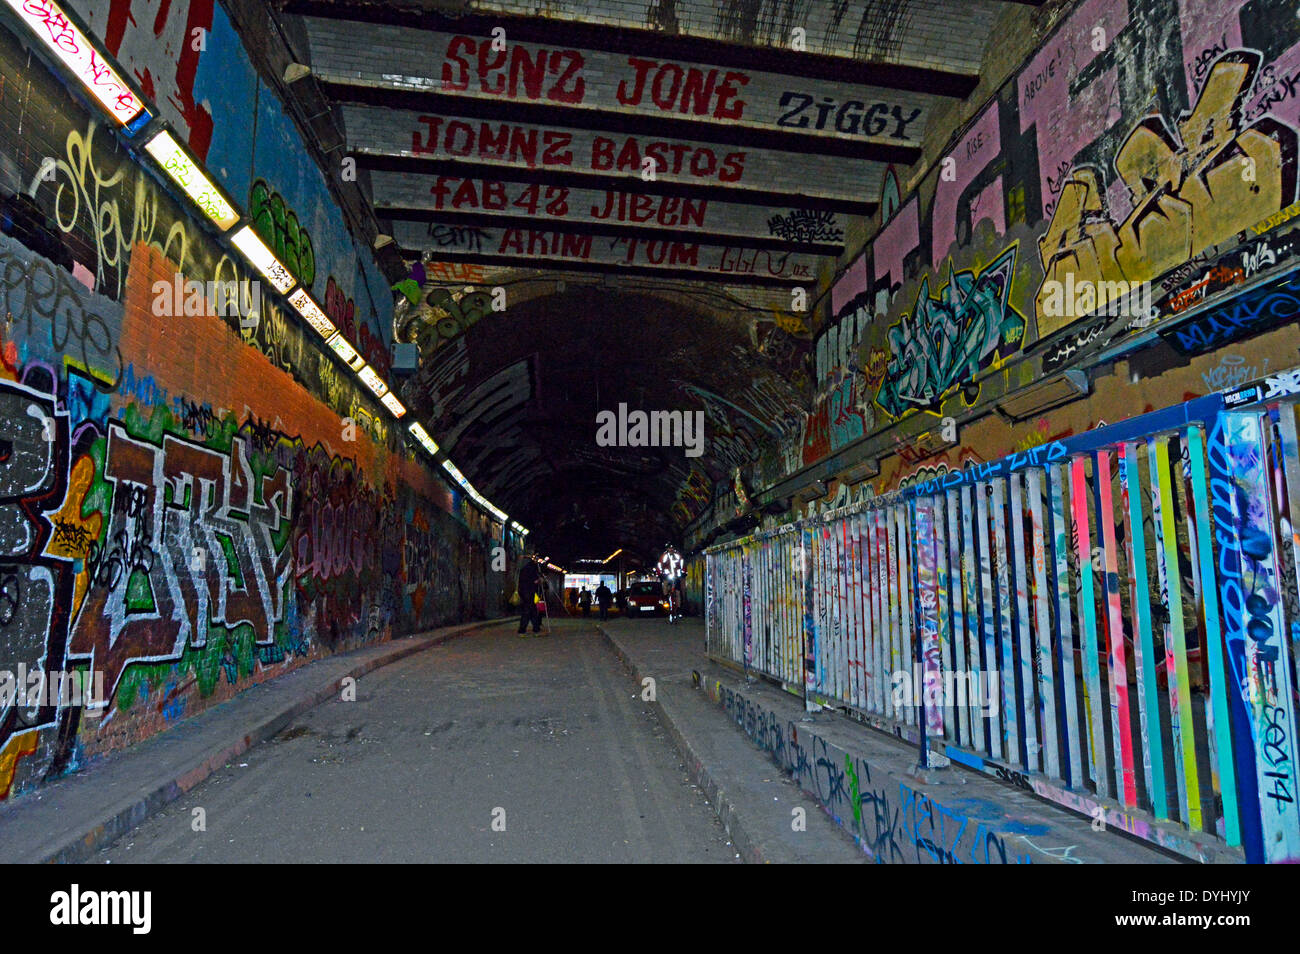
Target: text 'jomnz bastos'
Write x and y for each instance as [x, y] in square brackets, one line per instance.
[651, 429]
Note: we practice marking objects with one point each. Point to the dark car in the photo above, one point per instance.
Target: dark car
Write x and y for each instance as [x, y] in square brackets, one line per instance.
[646, 599]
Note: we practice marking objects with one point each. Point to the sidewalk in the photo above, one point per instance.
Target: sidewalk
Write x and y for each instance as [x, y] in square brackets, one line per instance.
[862, 779]
[753, 798]
[69, 819]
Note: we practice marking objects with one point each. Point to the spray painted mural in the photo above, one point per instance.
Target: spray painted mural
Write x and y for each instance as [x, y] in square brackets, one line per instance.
[180, 534]
[951, 337]
[187, 56]
[1146, 145]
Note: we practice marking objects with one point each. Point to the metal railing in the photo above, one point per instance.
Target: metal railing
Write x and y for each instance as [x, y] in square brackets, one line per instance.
[1108, 620]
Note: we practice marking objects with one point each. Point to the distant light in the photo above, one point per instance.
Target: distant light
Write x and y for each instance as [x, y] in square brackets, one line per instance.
[307, 307]
[372, 380]
[421, 435]
[78, 54]
[390, 401]
[185, 172]
[612, 555]
[343, 348]
[552, 566]
[255, 250]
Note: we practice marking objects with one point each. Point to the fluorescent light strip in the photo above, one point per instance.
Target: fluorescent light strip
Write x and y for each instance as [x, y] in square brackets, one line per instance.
[423, 437]
[75, 51]
[371, 380]
[390, 401]
[471, 492]
[311, 312]
[348, 354]
[456, 474]
[185, 172]
[92, 67]
[255, 250]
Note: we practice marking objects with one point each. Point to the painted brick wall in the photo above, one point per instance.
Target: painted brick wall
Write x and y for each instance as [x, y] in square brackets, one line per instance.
[1151, 143]
[187, 57]
[190, 502]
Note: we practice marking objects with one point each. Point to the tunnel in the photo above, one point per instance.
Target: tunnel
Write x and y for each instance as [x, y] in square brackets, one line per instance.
[881, 412]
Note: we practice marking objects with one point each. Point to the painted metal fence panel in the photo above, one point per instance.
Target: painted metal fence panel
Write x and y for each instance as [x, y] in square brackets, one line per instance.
[1020, 601]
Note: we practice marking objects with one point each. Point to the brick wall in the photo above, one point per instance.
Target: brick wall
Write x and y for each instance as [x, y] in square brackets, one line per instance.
[1111, 145]
[194, 502]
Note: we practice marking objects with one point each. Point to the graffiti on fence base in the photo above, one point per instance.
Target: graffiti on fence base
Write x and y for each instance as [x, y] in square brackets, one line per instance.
[892, 821]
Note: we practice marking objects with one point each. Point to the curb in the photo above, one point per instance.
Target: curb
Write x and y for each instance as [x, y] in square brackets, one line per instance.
[750, 849]
[78, 848]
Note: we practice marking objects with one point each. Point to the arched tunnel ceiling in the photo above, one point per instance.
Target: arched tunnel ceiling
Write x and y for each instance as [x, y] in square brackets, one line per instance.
[516, 400]
[648, 183]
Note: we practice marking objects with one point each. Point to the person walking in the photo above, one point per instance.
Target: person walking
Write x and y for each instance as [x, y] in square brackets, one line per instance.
[530, 578]
[604, 597]
[585, 599]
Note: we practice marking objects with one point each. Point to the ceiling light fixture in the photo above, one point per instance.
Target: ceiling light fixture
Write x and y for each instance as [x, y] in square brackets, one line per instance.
[347, 354]
[71, 47]
[390, 401]
[372, 380]
[421, 435]
[473, 494]
[261, 257]
[183, 170]
[307, 307]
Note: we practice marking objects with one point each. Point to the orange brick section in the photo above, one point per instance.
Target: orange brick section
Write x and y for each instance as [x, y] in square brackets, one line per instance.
[204, 359]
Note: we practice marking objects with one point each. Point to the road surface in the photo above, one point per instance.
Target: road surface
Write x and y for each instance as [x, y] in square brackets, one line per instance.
[546, 738]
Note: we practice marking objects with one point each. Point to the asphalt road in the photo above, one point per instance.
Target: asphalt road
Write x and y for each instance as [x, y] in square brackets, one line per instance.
[546, 737]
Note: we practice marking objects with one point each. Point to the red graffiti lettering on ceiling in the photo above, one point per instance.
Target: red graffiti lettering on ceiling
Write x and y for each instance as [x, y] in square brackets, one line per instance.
[518, 71]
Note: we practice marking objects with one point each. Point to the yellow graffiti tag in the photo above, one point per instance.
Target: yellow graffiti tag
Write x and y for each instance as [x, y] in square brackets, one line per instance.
[790, 323]
[72, 532]
[1189, 191]
[14, 749]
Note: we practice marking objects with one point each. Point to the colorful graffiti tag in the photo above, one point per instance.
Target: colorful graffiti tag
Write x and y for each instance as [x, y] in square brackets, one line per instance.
[949, 338]
[1189, 185]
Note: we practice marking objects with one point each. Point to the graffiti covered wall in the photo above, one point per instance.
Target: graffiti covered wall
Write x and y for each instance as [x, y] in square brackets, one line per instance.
[188, 58]
[1141, 162]
[193, 498]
